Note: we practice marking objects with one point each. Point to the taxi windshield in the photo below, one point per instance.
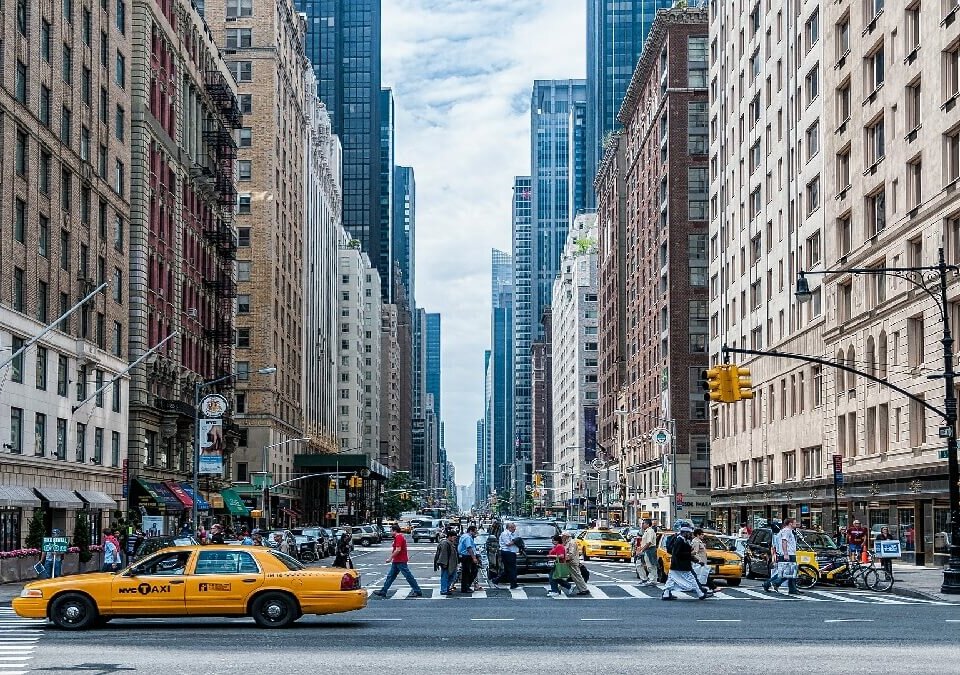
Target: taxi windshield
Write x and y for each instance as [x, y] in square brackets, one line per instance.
[603, 536]
[291, 563]
[716, 544]
[816, 540]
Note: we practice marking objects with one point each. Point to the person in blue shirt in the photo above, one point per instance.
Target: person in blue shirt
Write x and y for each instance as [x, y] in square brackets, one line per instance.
[467, 550]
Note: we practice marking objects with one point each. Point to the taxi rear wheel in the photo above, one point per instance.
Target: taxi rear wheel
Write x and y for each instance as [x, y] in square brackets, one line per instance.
[73, 611]
[274, 610]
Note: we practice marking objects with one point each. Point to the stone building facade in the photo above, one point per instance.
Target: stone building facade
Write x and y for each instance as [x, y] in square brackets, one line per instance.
[65, 107]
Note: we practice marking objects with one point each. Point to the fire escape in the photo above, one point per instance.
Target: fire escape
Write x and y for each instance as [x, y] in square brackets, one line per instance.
[218, 133]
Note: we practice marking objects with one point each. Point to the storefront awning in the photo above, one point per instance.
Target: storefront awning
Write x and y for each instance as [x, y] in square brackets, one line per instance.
[59, 498]
[96, 499]
[233, 503]
[160, 495]
[291, 513]
[16, 495]
[202, 504]
[179, 493]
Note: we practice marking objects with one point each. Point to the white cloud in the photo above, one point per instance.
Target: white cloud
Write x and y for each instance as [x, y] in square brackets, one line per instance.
[462, 73]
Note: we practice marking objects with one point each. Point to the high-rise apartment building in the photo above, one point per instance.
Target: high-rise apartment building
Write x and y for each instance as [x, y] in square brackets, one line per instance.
[574, 383]
[268, 63]
[65, 208]
[387, 207]
[321, 283]
[616, 33]
[404, 228]
[390, 359]
[541, 399]
[183, 244]
[521, 321]
[769, 122]
[343, 44]
[665, 299]
[481, 464]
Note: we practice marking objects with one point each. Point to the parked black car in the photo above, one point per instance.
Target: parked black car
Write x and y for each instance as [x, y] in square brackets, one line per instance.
[756, 555]
[537, 536]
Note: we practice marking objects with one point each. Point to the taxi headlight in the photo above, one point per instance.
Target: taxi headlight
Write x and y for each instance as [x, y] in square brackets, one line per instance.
[31, 593]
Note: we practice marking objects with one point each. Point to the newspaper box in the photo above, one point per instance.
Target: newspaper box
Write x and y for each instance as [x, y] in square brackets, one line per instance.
[886, 548]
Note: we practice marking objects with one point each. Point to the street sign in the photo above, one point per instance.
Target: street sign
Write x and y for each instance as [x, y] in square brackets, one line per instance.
[660, 436]
[55, 544]
[598, 464]
[679, 500]
[943, 454]
[838, 470]
[946, 432]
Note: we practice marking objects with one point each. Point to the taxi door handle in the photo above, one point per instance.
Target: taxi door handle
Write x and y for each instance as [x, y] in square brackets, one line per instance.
[174, 582]
[249, 581]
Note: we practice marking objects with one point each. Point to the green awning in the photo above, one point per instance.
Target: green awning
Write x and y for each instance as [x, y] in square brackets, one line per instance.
[233, 503]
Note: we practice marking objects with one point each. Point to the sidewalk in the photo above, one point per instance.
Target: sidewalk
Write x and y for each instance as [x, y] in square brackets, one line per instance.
[920, 582]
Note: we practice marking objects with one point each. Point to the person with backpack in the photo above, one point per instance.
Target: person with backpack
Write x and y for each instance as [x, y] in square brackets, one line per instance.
[572, 558]
[681, 576]
[446, 561]
[342, 555]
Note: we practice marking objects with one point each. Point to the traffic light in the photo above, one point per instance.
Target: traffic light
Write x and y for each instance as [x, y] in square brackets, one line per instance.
[355, 482]
[333, 484]
[715, 385]
[742, 384]
[537, 479]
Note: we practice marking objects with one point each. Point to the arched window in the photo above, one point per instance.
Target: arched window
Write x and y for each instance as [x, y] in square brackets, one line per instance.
[852, 363]
[871, 356]
[839, 379]
[882, 354]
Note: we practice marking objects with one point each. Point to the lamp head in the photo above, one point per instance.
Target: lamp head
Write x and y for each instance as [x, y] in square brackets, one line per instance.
[803, 292]
[268, 370]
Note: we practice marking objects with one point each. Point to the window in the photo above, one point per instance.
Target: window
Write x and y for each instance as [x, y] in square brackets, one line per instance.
[119, 124]
[117, 344]
[23, 17]
[812, 462]
[117, 284]
[43, 172]
[813, 250]
[66, 64]
[243, 236]
[875, 148]
[16, 365]
[845, 301]
[243, 337]
[151, 448]
[242, 71]
[699, 325]
[62, 365]
[16, 431]
[243, 203]
[697, 250]
[104, 50]
[120, 70]
[20, 220]
[81, 382]
[20, 86]
[243, 370]
[119, 181]
[61, 438]
[86, 23]
[98, 445]
[843, 37]
[915, 338]
[874, 70]
[118, 232]
[844, 235]
[121, 17]
[246, 103]
[913, 110]
[812, 82]
[812, 29]
[66, 189]
[951, 156]
[698, 138]
[697, 192]
[65, 253]
[86, 85]
[239, 38]
[45, 40]
[81, 450]
[68, 11]
[104, 106]
[42, 368]
[245, 137]
[697, 67]
[875, 213]
[19, 290]
[44, 105]
[243, 304]
[914, 184]
[951, 72]
[98, 383]
[66, 122]
[42, 302]
[844, 103]
[813, 195]
[872, 8]
[217, 562]
[243, 270]
[813, 139]
[238, 8]
[244, 169]
[918, 424]
[843, 169]
[20, 152]
[114, 448]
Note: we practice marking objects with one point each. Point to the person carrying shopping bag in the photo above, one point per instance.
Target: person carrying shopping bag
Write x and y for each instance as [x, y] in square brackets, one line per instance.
[561, 568]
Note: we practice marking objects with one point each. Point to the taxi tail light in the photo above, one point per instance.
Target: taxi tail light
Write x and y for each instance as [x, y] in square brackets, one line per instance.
[349, 582]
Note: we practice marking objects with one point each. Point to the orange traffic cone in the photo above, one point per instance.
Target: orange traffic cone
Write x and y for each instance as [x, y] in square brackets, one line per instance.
[864, 556]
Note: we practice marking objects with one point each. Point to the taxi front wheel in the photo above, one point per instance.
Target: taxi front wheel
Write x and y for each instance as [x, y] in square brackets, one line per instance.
[73, 611]
[274, 610]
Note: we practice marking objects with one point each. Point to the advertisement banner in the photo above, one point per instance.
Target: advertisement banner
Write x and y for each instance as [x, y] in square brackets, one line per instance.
[211, 447]
[153, 526]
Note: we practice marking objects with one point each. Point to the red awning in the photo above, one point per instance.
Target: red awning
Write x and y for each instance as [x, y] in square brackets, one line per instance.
[291, 513]
[179, 493]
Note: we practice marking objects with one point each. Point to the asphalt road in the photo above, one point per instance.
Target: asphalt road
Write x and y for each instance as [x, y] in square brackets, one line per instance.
[842, 631]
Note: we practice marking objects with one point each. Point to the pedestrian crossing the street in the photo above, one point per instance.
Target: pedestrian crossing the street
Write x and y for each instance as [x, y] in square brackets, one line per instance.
[634, 592]
[18, 640]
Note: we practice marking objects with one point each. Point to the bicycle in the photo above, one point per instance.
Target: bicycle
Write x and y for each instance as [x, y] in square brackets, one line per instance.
[854, 573]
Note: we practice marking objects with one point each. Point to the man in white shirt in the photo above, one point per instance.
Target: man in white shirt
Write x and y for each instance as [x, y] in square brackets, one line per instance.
[647, 554]
[508, 555]
[785, 552]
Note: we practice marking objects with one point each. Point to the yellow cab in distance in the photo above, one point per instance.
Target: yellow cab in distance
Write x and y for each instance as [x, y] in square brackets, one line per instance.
[267, 585]
[600, 542]
[724, 563]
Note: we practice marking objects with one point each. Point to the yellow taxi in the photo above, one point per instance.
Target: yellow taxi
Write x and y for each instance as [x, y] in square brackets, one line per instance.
[267, 585]
[603, 543]
[724, 563]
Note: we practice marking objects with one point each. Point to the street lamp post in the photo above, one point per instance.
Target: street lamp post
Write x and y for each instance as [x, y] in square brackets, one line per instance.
[951, 571]
[265, 495]
[197, 388]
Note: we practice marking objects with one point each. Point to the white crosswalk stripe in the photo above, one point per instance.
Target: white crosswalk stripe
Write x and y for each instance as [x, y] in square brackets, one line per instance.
[624, 591]
[18, 640]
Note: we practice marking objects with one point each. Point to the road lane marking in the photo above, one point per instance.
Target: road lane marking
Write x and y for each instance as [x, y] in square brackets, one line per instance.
[718, 620]
[634, 592]
[387, 619]
[599, 619]
[478, 594]
[596, 593]
[755, 594]
[841, 598]
[401, 593]
[518, 594]
[491, 619]
[848, 620]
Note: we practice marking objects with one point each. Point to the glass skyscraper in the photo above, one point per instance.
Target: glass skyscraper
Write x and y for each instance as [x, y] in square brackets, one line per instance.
[522, 324]
[433, 361]
[343, 44]
[616, 31]
[387, 146]
[404, 227]
[499, 366]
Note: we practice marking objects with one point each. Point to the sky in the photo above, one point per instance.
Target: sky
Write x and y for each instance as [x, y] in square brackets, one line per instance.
[462, 73]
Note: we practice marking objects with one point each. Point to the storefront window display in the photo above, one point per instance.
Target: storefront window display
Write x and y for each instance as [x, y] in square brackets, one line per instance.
[905, 526]
[10, 529]
[941, 532]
